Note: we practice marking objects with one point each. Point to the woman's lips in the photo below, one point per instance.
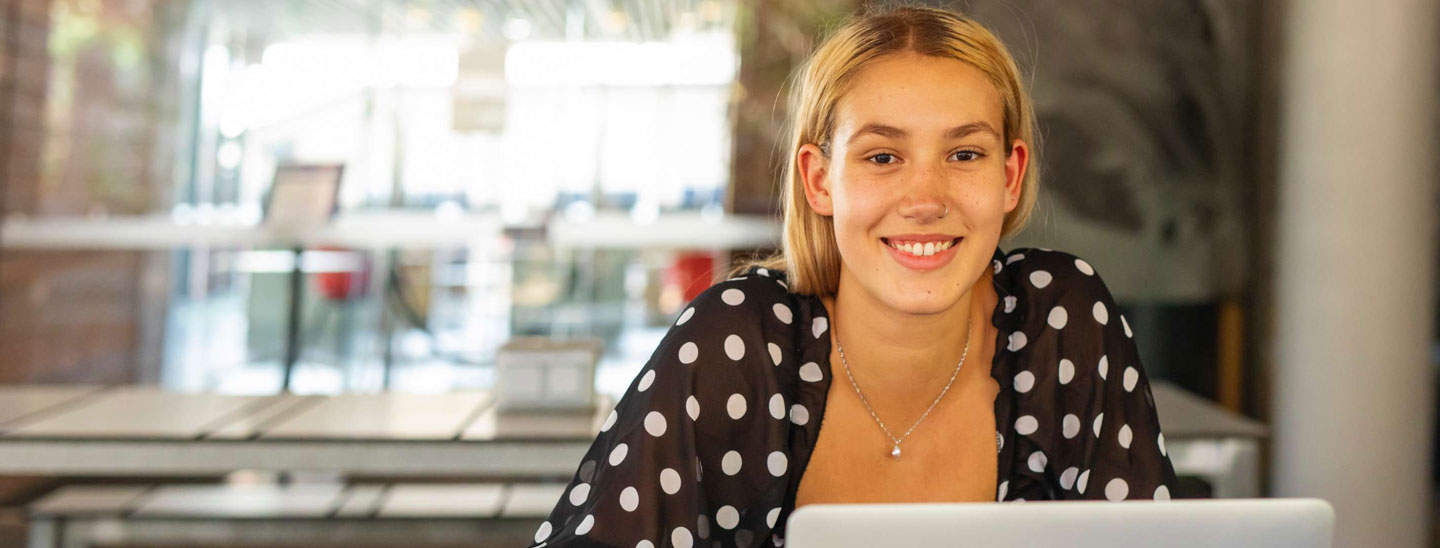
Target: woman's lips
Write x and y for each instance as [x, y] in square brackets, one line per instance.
[922, 264]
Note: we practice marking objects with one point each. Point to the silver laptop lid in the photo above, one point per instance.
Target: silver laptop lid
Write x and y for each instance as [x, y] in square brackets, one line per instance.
[1238, 523]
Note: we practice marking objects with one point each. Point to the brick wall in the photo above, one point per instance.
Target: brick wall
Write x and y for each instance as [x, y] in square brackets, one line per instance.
[83, 128]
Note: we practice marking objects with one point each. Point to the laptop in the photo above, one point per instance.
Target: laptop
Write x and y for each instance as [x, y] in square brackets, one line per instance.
[1179, 523]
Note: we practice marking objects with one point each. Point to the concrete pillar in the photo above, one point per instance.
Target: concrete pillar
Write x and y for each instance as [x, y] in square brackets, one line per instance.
[1354, 288]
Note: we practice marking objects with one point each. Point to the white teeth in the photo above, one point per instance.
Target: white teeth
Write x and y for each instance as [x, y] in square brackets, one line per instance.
[922, 250]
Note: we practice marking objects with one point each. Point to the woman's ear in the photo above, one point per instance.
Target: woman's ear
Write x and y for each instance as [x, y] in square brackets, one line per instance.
[814, 169]
[1016, 162]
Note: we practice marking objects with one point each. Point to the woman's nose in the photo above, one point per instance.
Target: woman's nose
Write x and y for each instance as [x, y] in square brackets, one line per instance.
[923, 209]
[926, 200]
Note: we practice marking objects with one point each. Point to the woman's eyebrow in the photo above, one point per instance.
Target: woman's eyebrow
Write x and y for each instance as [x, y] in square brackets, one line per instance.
[893, 132]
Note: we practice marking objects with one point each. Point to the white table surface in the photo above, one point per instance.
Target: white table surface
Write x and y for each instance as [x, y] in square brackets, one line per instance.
[18, 401]
[135, 412]
[129, 431]
[389, 416]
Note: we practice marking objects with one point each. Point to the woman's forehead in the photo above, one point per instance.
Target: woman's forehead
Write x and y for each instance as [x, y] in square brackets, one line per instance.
[920, 95]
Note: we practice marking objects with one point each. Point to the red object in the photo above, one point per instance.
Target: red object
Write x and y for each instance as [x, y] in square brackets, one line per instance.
[694, 272]
[340, 286]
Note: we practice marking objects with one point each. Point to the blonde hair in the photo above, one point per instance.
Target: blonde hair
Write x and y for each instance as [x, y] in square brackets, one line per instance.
[809, 253]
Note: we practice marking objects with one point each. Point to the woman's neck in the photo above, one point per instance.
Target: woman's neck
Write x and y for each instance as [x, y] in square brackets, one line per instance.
[896, 352]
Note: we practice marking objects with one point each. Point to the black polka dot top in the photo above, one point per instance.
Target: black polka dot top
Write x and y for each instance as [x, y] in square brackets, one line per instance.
[708, 444]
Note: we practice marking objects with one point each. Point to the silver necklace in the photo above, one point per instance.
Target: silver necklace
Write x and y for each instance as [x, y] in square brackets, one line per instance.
[895, 452]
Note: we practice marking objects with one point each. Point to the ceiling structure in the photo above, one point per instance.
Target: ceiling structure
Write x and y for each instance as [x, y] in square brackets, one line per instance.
[498, 20]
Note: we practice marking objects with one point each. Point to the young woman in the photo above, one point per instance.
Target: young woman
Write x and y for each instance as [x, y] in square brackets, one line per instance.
[892, 352]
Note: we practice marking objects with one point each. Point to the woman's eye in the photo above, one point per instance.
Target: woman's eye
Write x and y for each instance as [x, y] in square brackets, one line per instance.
[967, 155]
[883, 158]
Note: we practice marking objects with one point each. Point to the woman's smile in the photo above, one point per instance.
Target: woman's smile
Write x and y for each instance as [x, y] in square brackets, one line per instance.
[921, 252]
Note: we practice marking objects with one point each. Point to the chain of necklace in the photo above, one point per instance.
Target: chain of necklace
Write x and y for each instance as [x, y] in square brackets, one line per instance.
[895, 452]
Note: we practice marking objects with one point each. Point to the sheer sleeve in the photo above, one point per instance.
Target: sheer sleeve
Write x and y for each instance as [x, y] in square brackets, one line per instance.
[695, 448]
[1094, 432]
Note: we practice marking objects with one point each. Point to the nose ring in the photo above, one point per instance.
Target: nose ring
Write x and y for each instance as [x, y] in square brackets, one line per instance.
[947, 211]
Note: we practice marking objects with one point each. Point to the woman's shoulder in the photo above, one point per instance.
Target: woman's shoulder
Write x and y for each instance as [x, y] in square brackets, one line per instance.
[1050, 291]
[1043, 273]
[749, 329]
[757, 294]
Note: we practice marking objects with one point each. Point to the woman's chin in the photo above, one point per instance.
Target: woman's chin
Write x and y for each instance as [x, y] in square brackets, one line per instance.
[922, 303]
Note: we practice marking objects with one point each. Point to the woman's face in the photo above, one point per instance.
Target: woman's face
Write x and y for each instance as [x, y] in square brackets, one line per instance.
[916, 135]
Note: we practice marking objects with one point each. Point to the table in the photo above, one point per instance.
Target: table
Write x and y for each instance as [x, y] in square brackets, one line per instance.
[398, 514]
[144, 431]
[1205, 440]
[141, 431]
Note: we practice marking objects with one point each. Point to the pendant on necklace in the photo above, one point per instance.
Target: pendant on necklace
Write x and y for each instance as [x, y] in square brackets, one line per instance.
[896, 451]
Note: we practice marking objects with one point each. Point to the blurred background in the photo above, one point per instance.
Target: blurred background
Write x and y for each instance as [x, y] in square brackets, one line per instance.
[270, 261]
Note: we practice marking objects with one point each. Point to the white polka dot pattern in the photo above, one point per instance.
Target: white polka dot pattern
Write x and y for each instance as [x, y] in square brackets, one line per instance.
[783, 313]
[733, 297]
[735, 406]
[689, 352]
[670, 481]
[1102, 314]
[1026, 425]
[727, 517]
[1067, 371]
[755, 358]
[1024, 381]
[692, 408]
[646, 380]
[735, 347]
[617, 455]
[1040, 279]
[579, 493]
[609, 421]
[585, 525]
[1067, 478]
[1038, 461]
[799, 415]
[811, 372]
[1070, 426]
[777, 463]
[1017, 341]
[1058, 318]
[681, 538]
[655, 424]
[731, 464]
[1117, 489]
